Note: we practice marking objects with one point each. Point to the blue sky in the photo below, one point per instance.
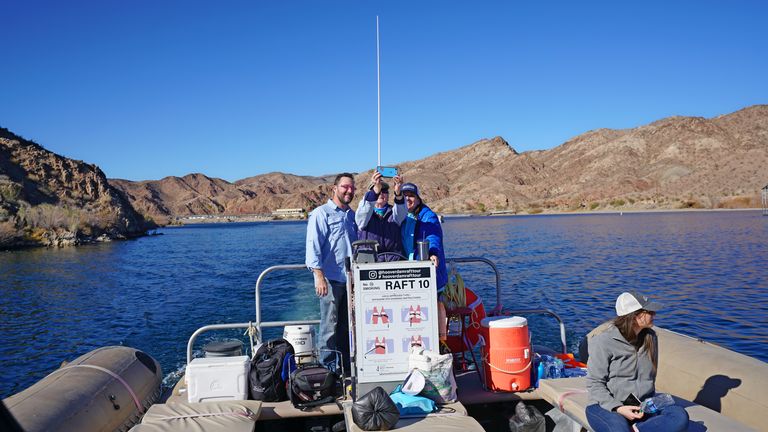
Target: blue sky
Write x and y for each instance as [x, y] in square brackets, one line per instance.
[148, 89]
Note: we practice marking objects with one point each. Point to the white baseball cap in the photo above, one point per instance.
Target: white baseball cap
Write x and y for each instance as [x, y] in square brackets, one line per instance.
[629, 302]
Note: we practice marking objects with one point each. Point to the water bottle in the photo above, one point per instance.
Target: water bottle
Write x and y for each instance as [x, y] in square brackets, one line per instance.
[656, 403]
[539, 372]
[555, 368]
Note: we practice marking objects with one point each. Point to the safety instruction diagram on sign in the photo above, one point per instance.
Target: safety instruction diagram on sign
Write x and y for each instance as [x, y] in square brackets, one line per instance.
[395, 310]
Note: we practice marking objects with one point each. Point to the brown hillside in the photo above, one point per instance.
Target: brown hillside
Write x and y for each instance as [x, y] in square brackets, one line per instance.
[47, 199]
[676, 162]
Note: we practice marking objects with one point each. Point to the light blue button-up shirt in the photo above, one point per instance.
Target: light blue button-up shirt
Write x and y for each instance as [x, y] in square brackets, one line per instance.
[330, 234]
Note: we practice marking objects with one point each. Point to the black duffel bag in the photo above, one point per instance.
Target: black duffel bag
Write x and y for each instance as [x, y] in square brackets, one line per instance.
[312, 385]
[375, 411]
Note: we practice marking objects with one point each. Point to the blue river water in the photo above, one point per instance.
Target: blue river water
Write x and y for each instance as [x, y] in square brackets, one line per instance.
[710, 269]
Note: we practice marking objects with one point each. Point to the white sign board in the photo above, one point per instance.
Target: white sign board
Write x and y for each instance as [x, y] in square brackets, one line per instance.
[395, 309]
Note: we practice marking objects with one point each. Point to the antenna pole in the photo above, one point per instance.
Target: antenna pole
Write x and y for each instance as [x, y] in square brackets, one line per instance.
[378, 88]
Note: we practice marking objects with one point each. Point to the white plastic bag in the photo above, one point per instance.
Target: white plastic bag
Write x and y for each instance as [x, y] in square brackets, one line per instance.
[440, 385]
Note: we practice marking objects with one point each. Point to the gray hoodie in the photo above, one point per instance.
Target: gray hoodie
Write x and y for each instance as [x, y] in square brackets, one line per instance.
[615, 369]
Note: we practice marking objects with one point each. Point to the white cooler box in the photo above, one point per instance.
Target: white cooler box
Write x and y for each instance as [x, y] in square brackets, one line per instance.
[217, 378]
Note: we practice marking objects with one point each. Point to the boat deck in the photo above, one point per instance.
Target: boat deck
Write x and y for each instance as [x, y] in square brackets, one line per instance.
[470, 392]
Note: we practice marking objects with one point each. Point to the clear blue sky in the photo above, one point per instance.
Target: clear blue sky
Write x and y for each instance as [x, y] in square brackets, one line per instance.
[147, 89]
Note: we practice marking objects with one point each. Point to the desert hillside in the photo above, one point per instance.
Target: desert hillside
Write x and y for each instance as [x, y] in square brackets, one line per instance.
[47, 199]
[676, 162]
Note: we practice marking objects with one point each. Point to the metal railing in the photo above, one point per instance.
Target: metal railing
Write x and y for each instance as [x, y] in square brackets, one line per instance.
[258, 324]
[471, 260]
[564, 346]
[499, 308]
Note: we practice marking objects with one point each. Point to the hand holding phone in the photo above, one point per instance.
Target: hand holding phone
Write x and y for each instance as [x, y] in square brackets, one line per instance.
[629, 412]
[631, 408]
[632, 400]
[388, 172]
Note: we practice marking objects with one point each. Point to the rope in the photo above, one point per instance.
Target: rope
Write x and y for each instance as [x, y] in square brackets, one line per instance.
[251, 332]
[454, 289]
[245, 413]
[509, 372]
[474, 321]
[115, 376]
[566, 394]
[485, 360]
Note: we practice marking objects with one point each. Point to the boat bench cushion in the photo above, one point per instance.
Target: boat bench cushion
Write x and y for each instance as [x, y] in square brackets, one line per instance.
[570, 395]
[285, 409]
[455, 421]
[221, 416]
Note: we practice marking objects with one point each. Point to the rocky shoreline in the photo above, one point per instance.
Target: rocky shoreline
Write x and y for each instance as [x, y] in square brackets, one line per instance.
[49, 200]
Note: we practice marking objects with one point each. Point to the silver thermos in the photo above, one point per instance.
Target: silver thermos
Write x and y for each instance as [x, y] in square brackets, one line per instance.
[423, 247]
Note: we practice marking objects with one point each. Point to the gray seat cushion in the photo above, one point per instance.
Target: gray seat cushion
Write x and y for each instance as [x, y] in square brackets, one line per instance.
[570, 396]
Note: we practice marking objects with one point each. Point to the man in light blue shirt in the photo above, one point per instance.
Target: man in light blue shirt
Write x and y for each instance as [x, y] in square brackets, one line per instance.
[331, 230]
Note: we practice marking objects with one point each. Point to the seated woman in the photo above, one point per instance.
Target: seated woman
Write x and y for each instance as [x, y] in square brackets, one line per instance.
[621, 372]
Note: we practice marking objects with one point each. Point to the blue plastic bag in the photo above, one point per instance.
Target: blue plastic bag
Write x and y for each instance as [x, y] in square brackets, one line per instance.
[410, 405]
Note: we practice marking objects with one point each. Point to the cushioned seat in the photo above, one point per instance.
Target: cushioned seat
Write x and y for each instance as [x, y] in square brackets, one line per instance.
[269, 410]
[570, 396]
[223, 416]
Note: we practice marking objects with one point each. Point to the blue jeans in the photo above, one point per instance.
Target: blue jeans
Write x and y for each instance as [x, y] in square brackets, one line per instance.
[334, 324]
[670, 419]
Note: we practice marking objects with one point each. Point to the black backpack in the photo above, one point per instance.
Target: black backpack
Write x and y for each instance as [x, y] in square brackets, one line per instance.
[270, 369]
[313, 384]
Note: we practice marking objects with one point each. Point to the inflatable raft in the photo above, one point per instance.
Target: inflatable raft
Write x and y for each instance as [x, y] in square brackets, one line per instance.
[107, 389]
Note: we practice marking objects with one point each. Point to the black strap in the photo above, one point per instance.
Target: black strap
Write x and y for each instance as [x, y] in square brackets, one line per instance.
[304, 406]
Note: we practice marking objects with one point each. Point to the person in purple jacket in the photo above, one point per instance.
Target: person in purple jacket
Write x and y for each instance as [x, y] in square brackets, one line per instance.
[377, 220]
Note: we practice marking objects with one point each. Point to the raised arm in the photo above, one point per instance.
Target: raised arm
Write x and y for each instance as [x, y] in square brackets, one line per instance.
[365, 207]
[400, 211]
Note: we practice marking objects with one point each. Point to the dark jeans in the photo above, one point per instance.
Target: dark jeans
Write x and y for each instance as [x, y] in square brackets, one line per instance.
[334, 324]
[670, 419]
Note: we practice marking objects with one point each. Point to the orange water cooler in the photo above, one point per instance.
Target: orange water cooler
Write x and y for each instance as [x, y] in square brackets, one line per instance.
[506, 353]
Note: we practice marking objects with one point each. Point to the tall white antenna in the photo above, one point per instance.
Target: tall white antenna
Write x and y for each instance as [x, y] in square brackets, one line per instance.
[378, 87]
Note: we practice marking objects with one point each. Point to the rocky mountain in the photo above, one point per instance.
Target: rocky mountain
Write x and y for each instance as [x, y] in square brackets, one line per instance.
[198, 194]
[47, 199]
[676, 162]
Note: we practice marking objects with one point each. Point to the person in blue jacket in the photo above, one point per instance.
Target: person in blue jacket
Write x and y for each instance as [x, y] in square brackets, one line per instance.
[422, 224]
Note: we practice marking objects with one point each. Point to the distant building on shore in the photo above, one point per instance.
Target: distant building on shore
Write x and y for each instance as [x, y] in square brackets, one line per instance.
[290, 213]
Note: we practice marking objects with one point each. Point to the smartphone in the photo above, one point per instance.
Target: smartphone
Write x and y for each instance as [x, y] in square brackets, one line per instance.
[387, 171]
[632, 400]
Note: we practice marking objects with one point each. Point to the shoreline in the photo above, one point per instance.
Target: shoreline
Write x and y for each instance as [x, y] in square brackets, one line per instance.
[629, 211]
[595, 212]
[250, 219]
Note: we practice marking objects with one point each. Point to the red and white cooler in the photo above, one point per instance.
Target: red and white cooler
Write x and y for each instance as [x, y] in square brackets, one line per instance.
[507, 353]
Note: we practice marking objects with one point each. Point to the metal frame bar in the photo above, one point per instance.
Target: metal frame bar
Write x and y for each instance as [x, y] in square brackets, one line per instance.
[257, 305]
[545, 312]
[470, 260]
[764, 195]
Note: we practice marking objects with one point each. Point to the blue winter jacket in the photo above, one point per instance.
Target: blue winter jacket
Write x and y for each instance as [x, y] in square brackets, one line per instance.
[423, 224]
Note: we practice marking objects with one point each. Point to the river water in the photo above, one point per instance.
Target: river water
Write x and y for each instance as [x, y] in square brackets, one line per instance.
[710, 269]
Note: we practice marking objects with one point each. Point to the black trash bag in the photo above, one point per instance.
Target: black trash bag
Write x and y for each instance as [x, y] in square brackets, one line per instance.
[527, 419]
[375, 411]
